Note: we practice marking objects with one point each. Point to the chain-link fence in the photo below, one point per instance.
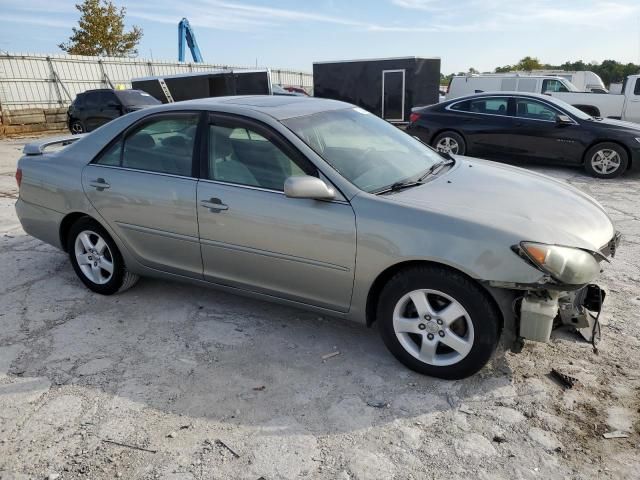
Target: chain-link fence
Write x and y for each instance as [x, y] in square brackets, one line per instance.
[46, 81]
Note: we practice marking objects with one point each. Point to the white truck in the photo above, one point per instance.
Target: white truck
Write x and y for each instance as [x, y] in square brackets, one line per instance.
[623, 106]
[462, 85]
[585, 81]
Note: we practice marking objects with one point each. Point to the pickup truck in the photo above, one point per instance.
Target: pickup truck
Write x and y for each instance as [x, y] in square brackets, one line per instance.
[623, 106]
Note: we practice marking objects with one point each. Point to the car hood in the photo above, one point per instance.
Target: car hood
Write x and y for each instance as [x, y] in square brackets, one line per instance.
[618, 125]
[526, 205]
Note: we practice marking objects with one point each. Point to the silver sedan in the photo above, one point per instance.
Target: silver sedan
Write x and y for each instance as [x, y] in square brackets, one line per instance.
[320, 205]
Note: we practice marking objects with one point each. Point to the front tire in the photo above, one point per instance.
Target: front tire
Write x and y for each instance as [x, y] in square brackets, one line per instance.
[606, 160]
[450, 142]
[96, 259]
[438, 322]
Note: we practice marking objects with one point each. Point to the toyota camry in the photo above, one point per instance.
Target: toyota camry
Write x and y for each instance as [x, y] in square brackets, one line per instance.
[320, 205]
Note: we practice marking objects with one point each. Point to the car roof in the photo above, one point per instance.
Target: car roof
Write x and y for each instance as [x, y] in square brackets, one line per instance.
[276, 106]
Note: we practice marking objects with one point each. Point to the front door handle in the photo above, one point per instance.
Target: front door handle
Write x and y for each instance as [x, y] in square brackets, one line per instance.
[214, 205]
[99, 184]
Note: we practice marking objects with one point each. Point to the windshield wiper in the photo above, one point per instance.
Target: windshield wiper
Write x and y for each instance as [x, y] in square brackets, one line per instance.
[433, 169]
[395, 187]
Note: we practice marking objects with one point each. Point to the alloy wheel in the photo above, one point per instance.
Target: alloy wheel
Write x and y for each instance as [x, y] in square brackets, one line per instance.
[94, 257]
[606, 161]
[433, 327]
[448, 145]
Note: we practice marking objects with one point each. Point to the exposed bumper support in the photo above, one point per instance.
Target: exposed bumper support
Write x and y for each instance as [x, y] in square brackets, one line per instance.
[579, 308]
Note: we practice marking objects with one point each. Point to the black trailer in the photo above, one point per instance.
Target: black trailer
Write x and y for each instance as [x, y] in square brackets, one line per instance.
[217, 83]
[388, 87]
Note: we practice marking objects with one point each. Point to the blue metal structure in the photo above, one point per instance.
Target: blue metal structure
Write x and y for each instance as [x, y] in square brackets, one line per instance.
[186, 35]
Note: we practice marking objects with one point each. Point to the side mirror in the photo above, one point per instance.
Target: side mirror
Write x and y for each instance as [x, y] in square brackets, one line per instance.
[564, 120]
[308, 187]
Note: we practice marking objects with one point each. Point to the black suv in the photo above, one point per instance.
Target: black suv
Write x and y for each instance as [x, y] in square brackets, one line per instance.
[94, 108]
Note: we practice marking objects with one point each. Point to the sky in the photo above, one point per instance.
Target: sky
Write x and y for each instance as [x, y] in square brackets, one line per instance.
[481, 34]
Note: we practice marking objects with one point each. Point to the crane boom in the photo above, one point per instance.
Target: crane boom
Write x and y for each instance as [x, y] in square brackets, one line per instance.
[186, 35]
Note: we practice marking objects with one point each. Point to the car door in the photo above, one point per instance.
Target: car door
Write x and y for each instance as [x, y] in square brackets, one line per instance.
[536, 133]
[90, 113]
[632, 105]
[483, 124]
[110, 107]
[143, 186]
[254, 237]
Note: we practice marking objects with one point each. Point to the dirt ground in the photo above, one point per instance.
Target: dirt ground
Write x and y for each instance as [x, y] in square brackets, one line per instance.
[176, 382]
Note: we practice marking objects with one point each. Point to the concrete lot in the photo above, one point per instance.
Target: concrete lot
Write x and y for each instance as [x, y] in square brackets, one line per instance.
[209, 385]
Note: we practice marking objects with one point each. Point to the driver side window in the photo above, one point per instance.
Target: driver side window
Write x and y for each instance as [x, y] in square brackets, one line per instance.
[534, 110]
[551, 85]
[242, 156]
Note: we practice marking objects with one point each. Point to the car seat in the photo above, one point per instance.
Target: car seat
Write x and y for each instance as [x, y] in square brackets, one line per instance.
[223, 165]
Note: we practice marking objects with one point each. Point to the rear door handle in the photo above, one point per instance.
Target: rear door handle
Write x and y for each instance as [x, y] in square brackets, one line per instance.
[99, 184]
[214, 205]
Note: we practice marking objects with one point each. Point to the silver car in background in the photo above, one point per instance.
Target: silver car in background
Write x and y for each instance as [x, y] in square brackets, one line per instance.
[319, 204]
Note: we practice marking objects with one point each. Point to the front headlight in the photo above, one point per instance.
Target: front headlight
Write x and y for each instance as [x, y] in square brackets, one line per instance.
[567, 265]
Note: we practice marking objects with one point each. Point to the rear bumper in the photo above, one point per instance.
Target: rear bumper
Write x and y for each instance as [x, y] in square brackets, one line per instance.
[422, 133]
[40, 222]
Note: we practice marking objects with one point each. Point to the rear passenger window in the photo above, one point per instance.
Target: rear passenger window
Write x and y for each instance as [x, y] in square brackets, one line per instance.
[111, 156]
[244, 157]
[636, 90]
[91, 100]
[164, 145]
[490, 106]
[461, 106]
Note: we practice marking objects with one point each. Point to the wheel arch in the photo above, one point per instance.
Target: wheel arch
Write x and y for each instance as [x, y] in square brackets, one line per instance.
[620, 144]
[381, 280]
[66, 224]
[447, 129]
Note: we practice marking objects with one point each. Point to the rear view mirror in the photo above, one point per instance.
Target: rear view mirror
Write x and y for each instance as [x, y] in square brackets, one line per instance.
[308, 187]
[564, 120]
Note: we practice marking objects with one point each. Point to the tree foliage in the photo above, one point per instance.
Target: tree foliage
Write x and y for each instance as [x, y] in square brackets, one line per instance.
[101, 32]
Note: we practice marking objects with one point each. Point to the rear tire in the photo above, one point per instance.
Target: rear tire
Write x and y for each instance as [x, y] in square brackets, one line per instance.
[76, 127]
[606, 160]
[438, 322]
[96, 259]
[450, 142]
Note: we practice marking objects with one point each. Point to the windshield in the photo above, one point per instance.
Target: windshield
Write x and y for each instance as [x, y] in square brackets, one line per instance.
[366, 150]
[136, 97]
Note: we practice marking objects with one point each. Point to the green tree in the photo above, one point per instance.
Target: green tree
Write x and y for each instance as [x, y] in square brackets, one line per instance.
[100, 31]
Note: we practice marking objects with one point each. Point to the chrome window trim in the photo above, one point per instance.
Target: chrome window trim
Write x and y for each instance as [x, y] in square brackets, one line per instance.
[129, 169]
[261, 189]
[553, 107]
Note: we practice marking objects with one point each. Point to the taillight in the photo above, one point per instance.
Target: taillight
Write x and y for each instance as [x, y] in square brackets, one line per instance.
[414, 117]
[19, 177]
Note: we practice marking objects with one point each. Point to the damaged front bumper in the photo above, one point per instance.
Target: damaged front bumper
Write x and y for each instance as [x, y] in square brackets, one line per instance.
[538, 308]
[540, 311]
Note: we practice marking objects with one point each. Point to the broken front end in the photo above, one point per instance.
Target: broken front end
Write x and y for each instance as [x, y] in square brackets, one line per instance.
[564, 296]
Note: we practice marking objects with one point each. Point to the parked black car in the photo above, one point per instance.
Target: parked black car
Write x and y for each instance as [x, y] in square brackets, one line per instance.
[94, 108]
[518, 127]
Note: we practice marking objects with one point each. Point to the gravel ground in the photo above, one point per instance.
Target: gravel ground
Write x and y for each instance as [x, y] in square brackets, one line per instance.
[190, 383]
